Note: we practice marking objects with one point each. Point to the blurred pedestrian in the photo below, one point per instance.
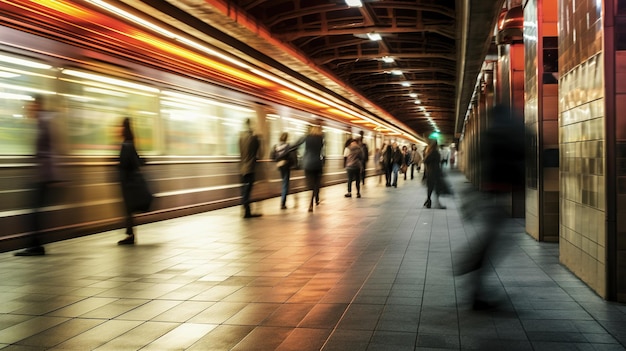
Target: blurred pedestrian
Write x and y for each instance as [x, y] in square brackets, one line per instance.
[396, 163]
[134, 189]
[354, 164]
[312, 161]
[434, 175]
[502, 159]
[283, 157]
[406, 160]
[445, 154]
[416, 159]
[387, 152]
[366, 156]
[46, 173]
[250, 151]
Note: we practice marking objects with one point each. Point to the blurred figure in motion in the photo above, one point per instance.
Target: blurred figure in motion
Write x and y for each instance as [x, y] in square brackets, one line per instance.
[416, 159]
[396, 162]
[387, 162]
[45, 176]
[434, 175]
[280, 153]
[135, 193]
[249, 149]
[502, 162]
[366, 156]
[313, 161]
[354, 165]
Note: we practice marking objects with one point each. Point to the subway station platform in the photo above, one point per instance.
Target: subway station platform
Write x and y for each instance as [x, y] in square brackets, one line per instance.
[374, 273]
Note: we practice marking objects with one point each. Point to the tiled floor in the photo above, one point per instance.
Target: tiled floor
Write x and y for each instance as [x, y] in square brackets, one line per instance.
[374, 273]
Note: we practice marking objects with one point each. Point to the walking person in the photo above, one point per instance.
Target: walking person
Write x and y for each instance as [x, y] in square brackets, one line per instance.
[249, 150]
[312, 161]
[406, 160]
[354, 165]
[416, 159]
[433, 175]
[283, 157]
[45, 173]
[396, 163]
[387, 152]
[130, 180]
[366, 153]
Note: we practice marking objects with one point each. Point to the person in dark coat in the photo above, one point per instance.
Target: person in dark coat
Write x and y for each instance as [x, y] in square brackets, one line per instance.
[45, 176]
[366, 156]
[129, 163]
[387, 163]
[433, 174]
[249, 149]
[312, 161]
[396, 162]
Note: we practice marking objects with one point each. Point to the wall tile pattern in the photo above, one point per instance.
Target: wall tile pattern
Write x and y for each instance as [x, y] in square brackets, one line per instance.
[582, 142]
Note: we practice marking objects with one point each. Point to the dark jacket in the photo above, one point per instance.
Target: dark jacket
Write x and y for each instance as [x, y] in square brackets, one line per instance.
[249, 147]
[313, 159]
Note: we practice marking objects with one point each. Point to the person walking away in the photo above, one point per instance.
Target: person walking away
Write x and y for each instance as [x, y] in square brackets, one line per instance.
[282, 156]
[387, 162]
[366, 156]
[433, 174]
[312, 161]
[249, 149]
[416, 159]
[45, 176]
[406, 160]
[502, 155]
[129, 164]
[396, 162]
[354, 164]
[445, 154]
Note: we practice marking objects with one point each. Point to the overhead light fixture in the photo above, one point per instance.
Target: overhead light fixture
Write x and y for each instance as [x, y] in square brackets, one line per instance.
[406, 84]
[374, 36]
[413, 95]
[354, 3]
[388, 59]
[396, 72]
[417, 102]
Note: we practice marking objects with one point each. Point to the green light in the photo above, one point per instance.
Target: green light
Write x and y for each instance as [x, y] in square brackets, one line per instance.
[434, 135]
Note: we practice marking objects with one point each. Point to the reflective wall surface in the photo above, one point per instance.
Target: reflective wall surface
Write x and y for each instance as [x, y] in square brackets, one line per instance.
[582, 138]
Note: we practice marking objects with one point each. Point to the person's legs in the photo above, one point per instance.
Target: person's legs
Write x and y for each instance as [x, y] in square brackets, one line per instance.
[363, 172]
[285, 173]
[350, 172]
[39, 198]
[246, 191]
[412, 169]
[358, 183]
[394, 175]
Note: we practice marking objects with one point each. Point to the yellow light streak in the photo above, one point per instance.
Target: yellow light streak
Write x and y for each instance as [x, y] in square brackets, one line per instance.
[303, 99]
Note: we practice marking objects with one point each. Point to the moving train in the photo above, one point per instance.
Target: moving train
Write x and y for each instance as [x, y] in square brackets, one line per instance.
[186, 124]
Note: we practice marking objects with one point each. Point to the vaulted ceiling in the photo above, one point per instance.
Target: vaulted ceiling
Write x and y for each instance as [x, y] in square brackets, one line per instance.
[437, 49]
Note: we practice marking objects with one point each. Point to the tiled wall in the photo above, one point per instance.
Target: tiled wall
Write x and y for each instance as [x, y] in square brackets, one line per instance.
[582, 230]
[531, 117]
[620, 87]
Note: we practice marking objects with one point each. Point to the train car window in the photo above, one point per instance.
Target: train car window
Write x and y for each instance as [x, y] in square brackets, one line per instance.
[96, 105]
[21, 79]
[196, 125]
[335, 141]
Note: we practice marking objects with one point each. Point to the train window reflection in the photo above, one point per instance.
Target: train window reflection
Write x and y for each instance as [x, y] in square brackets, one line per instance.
[96, 105]
[199, 126]
[20, 80]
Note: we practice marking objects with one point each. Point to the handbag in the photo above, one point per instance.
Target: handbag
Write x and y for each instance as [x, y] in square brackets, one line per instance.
[403, 168]
[139, 196]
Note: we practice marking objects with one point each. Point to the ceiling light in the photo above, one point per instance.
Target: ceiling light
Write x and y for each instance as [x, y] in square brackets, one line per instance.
[388, 59]
[413, 95]
[406, 84]
[396, 72]
[374, 36]
[417, 102]
[354, 3]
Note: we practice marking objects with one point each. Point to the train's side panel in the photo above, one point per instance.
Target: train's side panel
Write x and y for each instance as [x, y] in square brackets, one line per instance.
[86, 199]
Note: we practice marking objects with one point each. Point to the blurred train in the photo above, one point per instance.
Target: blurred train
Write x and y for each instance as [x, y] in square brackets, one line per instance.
[186, 127]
